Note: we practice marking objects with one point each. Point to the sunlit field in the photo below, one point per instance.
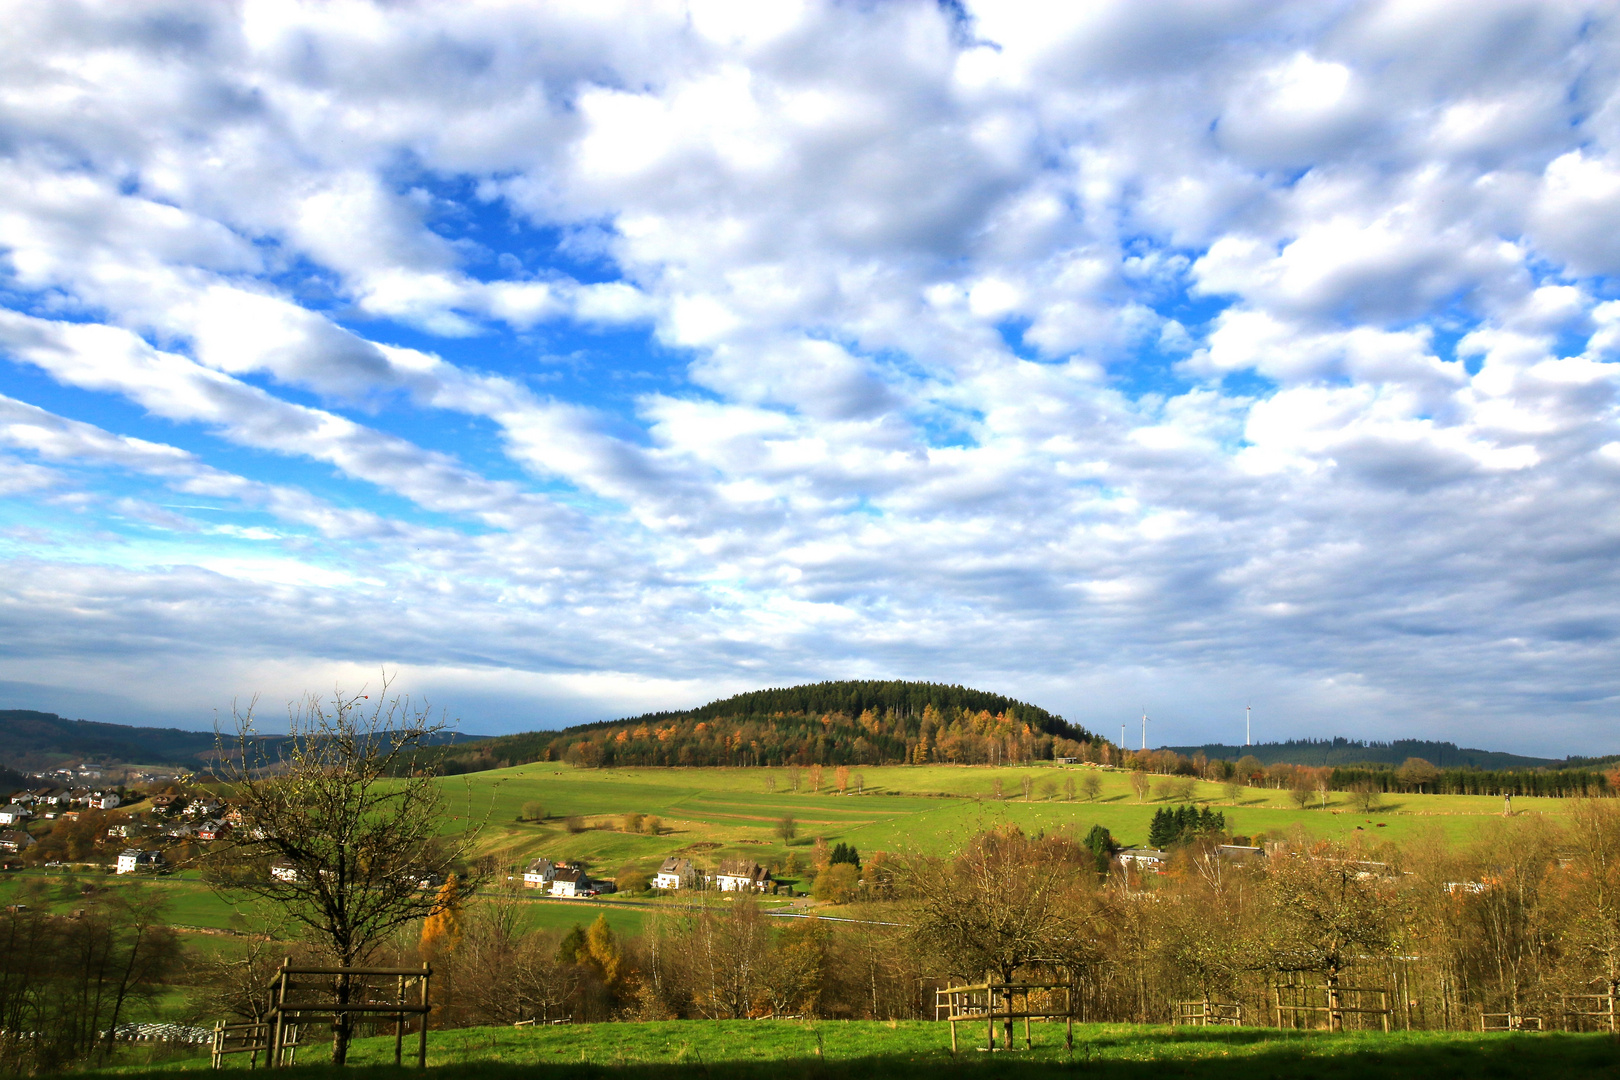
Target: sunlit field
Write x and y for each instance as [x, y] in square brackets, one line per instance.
[767, 1048]
[929, 808]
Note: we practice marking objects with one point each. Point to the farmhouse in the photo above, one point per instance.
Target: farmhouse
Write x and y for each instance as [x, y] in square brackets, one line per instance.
[16, 840]
[133, 861]
[1150, 859]
[676, 873]
[12, 814]
[570, 883]
[539, 874]
[742, 876]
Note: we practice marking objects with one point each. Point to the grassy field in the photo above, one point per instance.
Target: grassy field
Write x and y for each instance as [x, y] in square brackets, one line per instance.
[928, 808]
[765, 1048]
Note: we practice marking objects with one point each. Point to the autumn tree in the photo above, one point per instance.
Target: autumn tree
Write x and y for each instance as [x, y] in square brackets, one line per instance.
[1415, 774]
[441, 930]
[350, 813]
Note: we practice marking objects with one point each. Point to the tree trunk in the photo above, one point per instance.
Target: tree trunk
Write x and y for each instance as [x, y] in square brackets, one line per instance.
[340, 1023]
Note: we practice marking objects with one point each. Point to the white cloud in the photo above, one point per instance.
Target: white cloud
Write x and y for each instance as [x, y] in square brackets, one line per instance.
[1093, 349]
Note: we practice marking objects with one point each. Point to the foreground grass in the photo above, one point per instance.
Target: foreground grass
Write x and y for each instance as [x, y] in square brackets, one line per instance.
[749, 1049]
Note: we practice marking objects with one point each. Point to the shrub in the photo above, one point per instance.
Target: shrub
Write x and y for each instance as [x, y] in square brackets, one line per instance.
[574, 823]
[632, 822]
[631, 880]
[651, 825]
[533, 811]
[836, 884]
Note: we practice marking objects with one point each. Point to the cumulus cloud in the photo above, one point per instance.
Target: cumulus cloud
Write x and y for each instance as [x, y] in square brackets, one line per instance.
[1192, 352]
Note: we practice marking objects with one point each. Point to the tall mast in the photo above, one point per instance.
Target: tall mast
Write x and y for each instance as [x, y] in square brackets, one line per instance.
[1247, 710]
[1144, 727]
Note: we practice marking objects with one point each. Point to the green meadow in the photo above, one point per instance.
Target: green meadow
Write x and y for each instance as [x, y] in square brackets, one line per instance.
[778, 1048]
[929, 808]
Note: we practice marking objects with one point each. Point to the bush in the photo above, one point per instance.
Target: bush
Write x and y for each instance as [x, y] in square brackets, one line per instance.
[533, 811]
[837, 884]
[651, 826]
[631, 880]
[632, 822]
[574, 823]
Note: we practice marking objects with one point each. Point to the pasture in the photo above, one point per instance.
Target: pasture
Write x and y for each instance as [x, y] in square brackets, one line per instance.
[712, 813]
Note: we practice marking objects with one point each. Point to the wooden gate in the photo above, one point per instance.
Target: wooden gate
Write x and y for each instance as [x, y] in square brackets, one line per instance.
[299, 995]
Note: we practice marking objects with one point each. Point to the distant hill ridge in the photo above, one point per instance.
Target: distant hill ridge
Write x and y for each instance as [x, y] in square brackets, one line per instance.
[35, 740]
[854, 697]
[1342, 751]
[31, 739]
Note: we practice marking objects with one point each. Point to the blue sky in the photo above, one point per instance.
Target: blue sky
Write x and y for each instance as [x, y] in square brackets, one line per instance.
[572, 360]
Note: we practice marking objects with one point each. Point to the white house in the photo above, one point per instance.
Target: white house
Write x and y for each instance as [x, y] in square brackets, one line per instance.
[570, 883]
[132, 861]
[103, 800]
[742, 876]
[16, 840]
[1142, 858]
[283, 873]
[539, 874]
[676, 873]
[11, 814]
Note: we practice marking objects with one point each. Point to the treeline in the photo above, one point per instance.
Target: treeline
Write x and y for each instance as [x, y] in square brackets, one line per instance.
[1558, 783]
[1342, 751]
[1412, 775]
[836, 723]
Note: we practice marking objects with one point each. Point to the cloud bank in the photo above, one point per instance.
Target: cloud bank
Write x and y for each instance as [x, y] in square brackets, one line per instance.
[574, 359]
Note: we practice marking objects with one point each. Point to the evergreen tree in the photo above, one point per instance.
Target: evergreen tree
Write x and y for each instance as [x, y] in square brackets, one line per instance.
[1102, 846]
[1163, 831]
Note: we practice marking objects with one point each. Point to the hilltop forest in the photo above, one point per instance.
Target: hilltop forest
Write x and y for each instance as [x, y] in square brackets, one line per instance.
[829, 723]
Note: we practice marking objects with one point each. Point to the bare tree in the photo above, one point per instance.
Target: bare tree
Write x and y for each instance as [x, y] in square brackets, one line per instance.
[1140, 783]
[1003, 903]
[341, 828]
[1332, 910]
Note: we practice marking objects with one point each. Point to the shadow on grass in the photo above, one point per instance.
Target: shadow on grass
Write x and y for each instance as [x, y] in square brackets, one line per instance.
[1217, 1055]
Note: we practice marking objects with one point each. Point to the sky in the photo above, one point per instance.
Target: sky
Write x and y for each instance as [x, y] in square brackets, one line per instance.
[571, 360]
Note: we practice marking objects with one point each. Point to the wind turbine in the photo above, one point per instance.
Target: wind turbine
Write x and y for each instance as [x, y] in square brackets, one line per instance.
[1144, 727]
[1247, 709]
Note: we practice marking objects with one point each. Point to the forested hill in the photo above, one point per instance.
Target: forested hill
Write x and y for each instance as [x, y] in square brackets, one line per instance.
[829, 723]
[31, 739]
[1341, 751]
